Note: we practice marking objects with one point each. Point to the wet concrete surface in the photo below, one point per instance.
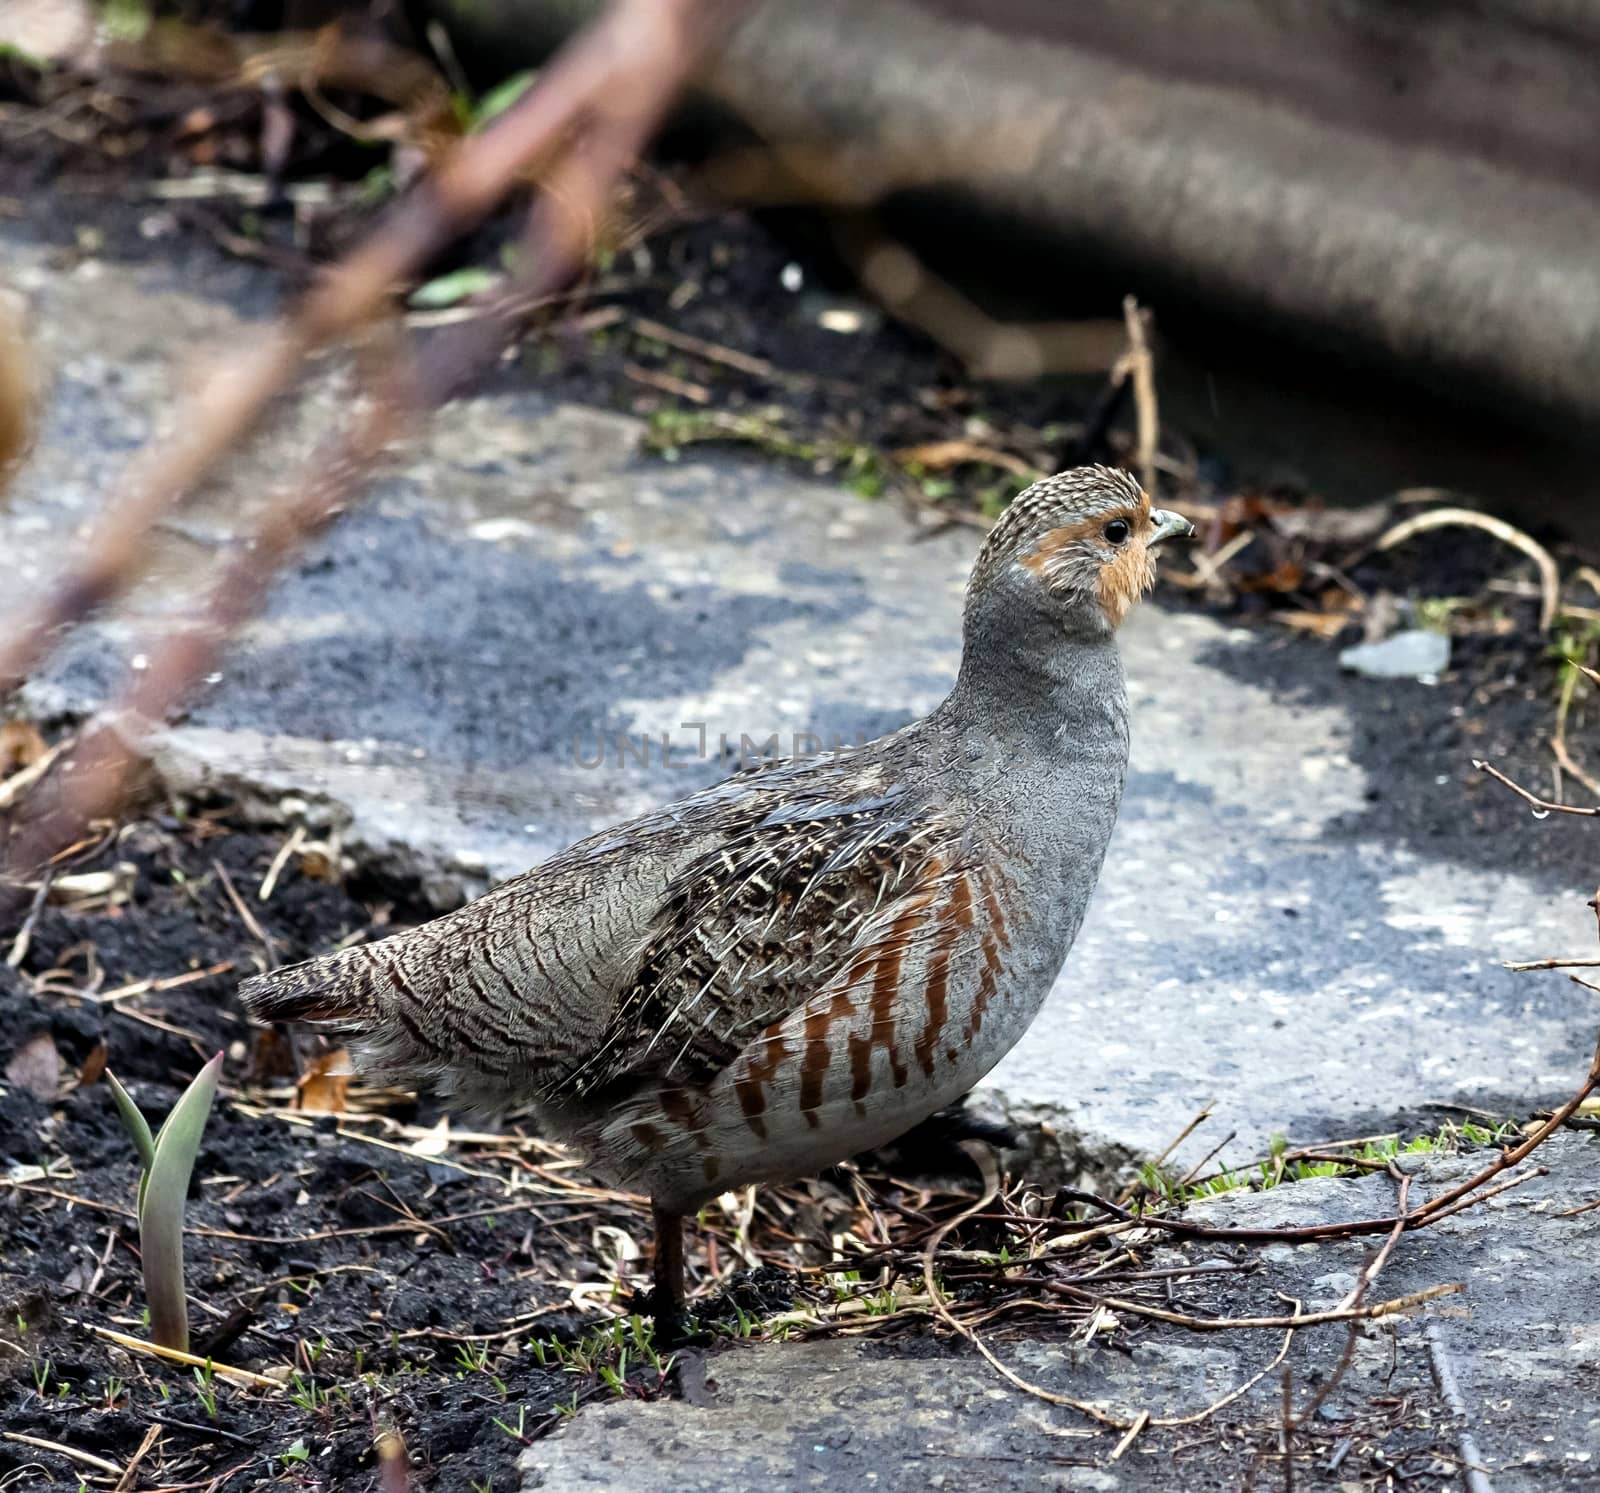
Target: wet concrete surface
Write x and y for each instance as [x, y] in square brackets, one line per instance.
[1301, 918]
[1488, 1389]
[532, 630]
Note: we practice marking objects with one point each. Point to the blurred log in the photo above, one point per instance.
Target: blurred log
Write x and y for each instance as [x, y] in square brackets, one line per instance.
[1417, 186]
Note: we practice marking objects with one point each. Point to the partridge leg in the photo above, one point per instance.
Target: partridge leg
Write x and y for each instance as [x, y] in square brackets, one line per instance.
[667, 1303]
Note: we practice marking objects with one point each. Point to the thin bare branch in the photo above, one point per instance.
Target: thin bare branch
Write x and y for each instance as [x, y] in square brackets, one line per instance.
[1438, 518]
[1527, 964]
[1542, 805]
[1358, 1292]
[616, 88]
[1140, 363]
[611, 83]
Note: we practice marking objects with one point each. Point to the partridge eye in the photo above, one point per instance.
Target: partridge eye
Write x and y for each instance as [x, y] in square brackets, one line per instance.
[1117, 531]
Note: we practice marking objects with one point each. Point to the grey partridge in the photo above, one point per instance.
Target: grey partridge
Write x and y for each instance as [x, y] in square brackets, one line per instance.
[806, 960]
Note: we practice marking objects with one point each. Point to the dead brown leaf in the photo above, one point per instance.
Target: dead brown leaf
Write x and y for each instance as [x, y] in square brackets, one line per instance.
[1286, 576]
[36, 1067]
[94, 1066]
[1325, 625]
[317, 863]
[325, 1085]
[271, 1055]
[21, 746]
[1247, 511]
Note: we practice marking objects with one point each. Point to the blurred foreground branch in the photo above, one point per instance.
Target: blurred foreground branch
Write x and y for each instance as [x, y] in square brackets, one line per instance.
[16, 396]
[592, 112]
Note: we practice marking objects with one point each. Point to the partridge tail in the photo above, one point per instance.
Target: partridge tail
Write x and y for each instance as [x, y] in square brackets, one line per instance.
[329, 991]
[367, 998]
[413, 1011]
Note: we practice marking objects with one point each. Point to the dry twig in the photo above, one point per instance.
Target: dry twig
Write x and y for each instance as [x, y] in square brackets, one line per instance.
[1438, 518]
[245, 1377]
[72, 1453]
[1369, 1273]
[1290, 1324]
[590, 114]
[1540, 806]
[1140, 365]
[130, 1473]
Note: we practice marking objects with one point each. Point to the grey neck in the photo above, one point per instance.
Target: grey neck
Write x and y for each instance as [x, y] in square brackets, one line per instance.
[1041, 679]
[1040, 713]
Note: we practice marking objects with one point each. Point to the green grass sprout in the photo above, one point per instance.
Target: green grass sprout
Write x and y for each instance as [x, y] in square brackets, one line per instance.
[166, 1160]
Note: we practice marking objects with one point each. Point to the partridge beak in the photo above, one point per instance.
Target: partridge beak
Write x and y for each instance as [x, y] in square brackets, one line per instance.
[1169, 525]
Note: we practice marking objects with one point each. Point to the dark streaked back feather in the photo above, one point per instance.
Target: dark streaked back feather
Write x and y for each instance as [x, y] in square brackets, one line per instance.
[652, 947]
[754, 926]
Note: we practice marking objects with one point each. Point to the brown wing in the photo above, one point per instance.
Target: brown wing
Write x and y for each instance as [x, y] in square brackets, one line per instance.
[752, 929]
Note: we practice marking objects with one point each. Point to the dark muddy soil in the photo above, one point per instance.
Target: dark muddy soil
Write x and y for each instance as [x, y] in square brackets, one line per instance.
[365, 1269]
[458, 1303]
[401, 1289]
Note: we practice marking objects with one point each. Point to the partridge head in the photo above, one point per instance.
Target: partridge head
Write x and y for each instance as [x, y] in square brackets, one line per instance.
[1077, 550]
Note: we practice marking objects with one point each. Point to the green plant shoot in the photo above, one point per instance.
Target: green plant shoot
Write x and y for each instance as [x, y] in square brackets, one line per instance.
[166, 1160]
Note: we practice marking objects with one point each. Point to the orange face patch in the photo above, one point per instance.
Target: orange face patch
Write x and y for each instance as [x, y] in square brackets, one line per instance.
[1129, 576]
[1044, 558]
[1118, 581]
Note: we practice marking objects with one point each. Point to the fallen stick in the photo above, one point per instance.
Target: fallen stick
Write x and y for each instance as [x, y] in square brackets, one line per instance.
[624, 102]
[244, 1377]
[620, 69]
[72, 1453]
[1438, 518]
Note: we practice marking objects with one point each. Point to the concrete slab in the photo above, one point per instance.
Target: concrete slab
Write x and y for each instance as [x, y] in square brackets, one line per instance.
[1492, 1389]
[435, 679]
